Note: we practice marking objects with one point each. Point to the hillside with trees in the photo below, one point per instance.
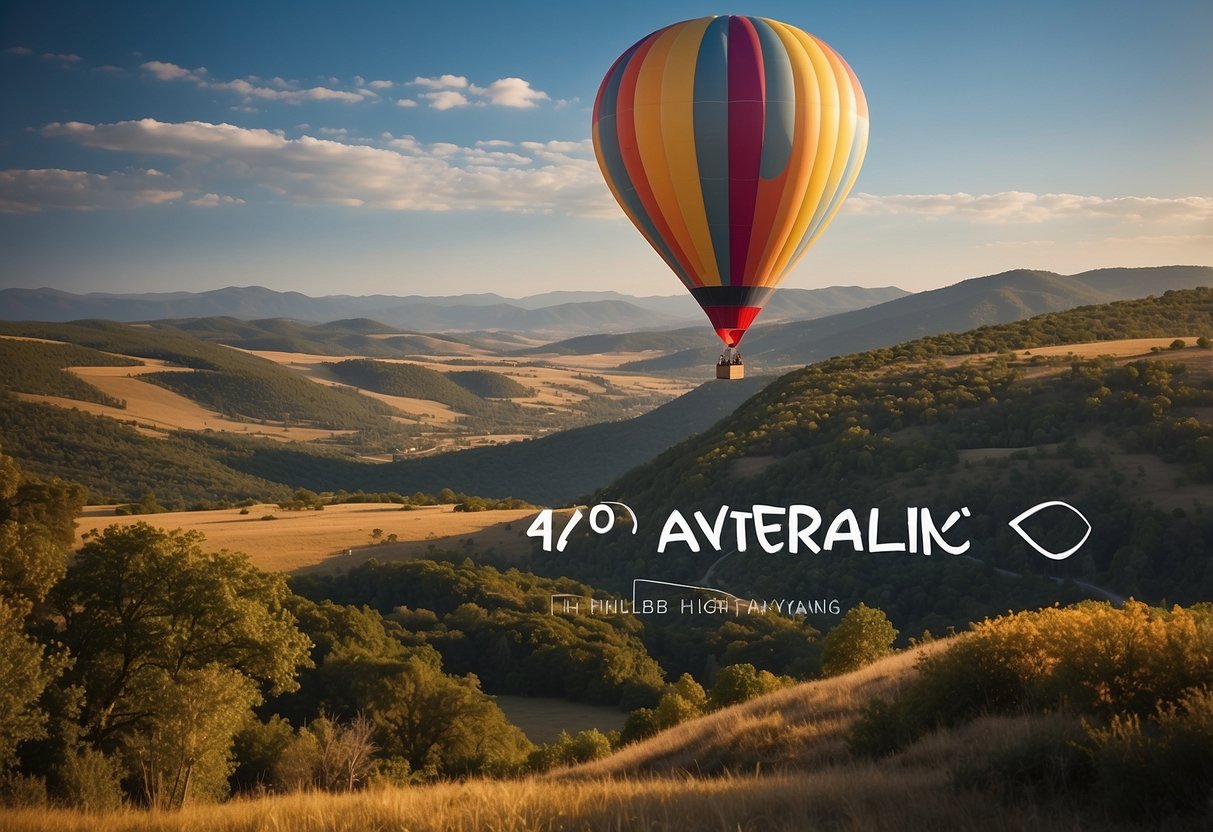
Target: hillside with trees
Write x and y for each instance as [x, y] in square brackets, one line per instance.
[41, 368]
[231, 382]
[943, 423]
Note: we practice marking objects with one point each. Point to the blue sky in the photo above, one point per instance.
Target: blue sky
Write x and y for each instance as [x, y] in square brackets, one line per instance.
[443, 148]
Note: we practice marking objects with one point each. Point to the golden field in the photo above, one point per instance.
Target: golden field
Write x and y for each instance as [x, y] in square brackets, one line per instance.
[297, 540]
[867, 799]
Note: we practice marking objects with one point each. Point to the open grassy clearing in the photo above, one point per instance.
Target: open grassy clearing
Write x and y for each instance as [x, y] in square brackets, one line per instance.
[320, 539]
[542, 718]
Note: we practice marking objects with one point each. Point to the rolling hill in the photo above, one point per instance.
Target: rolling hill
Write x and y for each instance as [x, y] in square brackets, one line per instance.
[357, 336]
[993, 420]
[995, 299]
[552, 470]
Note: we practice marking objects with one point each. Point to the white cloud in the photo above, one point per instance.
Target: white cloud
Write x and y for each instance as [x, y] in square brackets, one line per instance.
[445, 92]
[445, 100]
[215, 200]
[31, 191]
[109, 69]
[441, 82]
[403, 174]
[19, 50]
[276, 89]
[164, 71]
[456, 91]
[249, 90]
[68, 58]
[514, 92]
[1023, 207]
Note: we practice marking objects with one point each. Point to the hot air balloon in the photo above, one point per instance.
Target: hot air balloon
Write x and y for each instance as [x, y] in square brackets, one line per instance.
[730, 143]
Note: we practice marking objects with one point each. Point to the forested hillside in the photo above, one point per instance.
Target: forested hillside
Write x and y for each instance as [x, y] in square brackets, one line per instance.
[1126, 441]
[232, 382]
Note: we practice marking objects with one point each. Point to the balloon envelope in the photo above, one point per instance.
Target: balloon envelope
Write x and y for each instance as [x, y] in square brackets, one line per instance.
[730, 143]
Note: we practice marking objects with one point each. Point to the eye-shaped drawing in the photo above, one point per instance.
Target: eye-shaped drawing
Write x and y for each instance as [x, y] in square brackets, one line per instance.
[1015, 524]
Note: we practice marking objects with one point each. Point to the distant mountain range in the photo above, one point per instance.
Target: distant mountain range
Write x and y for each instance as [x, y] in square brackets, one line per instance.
[995, 299]
[550, 314]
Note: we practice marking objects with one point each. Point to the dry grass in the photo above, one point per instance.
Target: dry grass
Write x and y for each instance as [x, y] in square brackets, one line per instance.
[854, 798]
[319, 539]
[1125, 348]
[801, 727]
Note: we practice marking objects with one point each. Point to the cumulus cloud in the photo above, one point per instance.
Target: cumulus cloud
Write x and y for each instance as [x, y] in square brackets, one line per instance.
[380, 85]
[215, 200]
[445, 100]
[449, 91]
[406, 102]
[399, 174]
[164, 71]
[441, 82]
[19, 50]
[1024, 207]
[514, 92]
[276, 89]
[62, 58]
[31, 191]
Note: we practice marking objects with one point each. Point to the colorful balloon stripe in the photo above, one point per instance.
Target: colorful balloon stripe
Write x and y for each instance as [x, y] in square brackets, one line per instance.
[730, 143]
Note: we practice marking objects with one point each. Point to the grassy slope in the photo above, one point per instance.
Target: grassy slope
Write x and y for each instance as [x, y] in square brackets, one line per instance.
[791, 741]
[802, 727]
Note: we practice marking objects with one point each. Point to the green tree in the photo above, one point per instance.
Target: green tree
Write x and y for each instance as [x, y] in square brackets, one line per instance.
[37, 525]
[683, 700]
[740, 682]
[141, 603]
[442, 723]
[24, 674]
[862, 636]
[183, 748]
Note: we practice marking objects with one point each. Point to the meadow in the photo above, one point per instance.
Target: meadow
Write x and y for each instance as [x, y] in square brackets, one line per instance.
[339, 537]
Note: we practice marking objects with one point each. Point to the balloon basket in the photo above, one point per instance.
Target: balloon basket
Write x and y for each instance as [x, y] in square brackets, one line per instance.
[730, 371]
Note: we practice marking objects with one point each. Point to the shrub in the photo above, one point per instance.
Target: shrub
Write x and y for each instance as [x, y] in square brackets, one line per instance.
[640, 724]
[1049, 761]
[91, 781]
[862, 636]
[1163, 764]
[740, 682]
